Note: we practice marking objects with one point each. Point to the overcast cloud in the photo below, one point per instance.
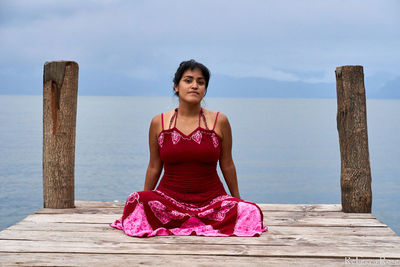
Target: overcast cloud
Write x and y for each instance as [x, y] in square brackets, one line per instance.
[280, 40]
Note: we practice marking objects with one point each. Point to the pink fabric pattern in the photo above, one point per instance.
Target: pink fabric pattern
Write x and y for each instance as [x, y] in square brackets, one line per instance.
[192, 207]
[218, 214]
[133, 197]
[136, 223]
[214, 140]
[197, 137]
[160, 211]
[175, 137]
[194, 225]
[249, 221]
[117, 224]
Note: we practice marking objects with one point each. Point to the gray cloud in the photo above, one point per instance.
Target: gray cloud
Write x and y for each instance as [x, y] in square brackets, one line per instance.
[286, 40]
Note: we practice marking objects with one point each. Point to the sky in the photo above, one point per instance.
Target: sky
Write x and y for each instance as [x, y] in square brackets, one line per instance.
[253, 47]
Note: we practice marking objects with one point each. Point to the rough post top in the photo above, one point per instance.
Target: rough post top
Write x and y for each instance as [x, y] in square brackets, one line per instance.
[60, 61]
[340, 69]
[55, 70]
[348, 67]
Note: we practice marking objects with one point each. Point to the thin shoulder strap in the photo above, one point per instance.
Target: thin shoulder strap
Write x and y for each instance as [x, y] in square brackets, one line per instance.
[175, 116]
[162, 121]
[200, 115]
[204, 118]
[215, 122]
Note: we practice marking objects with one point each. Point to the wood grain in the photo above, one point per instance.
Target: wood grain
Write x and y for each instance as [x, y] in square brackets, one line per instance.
[313, 235]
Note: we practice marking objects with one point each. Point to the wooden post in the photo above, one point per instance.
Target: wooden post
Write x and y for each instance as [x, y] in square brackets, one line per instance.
[60, 92]
[355, 178]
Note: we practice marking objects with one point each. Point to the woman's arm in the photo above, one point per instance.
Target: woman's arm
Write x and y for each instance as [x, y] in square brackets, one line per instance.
[225, 160]
[155, 164]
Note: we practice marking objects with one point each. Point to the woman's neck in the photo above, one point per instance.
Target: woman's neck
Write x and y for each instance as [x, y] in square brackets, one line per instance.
[188, 110]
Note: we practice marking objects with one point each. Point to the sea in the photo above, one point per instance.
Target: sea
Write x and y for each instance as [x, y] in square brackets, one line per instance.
[285, 150]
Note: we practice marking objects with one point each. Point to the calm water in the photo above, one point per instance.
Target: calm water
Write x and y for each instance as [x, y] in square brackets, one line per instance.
[285, 150]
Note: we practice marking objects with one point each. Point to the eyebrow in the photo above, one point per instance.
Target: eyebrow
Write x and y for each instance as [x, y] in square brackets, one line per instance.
[188, 76]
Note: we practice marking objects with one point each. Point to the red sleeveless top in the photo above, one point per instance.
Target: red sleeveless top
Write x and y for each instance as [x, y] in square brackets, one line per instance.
[190, 162]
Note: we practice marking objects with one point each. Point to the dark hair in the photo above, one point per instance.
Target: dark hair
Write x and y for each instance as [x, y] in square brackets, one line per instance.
[190, 64]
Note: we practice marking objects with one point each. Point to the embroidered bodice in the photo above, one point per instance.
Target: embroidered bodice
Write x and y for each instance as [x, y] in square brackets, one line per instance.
[190, 162]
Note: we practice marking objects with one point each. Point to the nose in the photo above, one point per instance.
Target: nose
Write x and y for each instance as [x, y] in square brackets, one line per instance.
[195, 85]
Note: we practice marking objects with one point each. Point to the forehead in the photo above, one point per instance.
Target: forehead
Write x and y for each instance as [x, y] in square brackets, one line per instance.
[195, 73]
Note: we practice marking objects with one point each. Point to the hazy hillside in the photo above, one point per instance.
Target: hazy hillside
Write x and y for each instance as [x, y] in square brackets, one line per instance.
[114, 84]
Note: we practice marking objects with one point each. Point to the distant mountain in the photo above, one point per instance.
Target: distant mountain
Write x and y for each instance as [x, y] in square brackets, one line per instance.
[225, 86]
[117, 84]
[390, 89]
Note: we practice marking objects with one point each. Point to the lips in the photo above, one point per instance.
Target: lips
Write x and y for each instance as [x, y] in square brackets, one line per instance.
[194, 93]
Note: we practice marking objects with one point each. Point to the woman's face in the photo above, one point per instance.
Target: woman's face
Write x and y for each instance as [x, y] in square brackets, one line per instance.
[192, 86]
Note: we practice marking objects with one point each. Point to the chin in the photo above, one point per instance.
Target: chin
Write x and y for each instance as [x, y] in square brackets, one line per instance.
[193, 100]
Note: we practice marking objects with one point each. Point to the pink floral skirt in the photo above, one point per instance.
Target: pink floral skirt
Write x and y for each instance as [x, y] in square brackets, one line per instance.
[152, 213]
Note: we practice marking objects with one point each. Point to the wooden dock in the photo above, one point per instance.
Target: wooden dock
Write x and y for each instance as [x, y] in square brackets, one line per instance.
[300, 235]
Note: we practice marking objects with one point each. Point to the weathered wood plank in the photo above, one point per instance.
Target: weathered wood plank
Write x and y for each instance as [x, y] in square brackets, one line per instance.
[271, 207]
[273, 213]
[300, 207]
[319, 235]
[199, 249]
[64, 259]
[98, 204]
[331, 231]
[276, 229]
[270, 221]
[265, 239]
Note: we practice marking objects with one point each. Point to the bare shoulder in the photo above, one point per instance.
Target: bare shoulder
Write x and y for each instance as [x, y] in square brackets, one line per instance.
[169, 113]
[167, 116]
[222, 118]
[155, 125]
[156, 122]
[209, 112]
[222, 126]
[210, 115]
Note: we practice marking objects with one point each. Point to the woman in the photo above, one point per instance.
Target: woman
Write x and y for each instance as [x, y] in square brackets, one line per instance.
[190, 198]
